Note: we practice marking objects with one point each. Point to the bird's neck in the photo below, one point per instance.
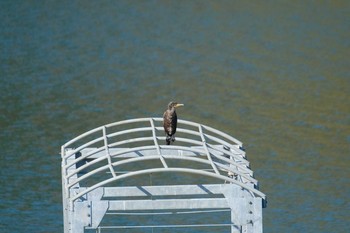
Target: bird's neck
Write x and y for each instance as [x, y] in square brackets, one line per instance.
[172, 112]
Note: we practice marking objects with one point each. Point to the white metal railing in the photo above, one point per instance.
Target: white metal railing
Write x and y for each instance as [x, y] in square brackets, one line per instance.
[217, 149]
[96, 163]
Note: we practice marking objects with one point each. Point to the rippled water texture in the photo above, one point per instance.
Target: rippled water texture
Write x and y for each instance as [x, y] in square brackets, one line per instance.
[274, 74]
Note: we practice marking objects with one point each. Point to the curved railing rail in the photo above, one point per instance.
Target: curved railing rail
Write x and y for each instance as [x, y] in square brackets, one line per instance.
[105, 150]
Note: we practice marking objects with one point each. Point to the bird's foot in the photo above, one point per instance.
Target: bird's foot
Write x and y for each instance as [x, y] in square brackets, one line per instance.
[168, 139]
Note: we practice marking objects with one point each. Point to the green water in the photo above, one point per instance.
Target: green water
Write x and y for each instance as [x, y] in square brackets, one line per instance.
[274, 74]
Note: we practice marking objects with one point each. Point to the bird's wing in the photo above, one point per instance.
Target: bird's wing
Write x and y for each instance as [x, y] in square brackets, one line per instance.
[174, 123]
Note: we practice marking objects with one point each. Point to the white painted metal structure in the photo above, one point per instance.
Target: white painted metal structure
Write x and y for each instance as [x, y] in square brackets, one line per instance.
[116, 176]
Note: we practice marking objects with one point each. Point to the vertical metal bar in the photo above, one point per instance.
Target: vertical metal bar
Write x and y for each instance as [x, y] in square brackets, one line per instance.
[156, 143]
[108, 155]
[206, 150]
[64, 171]
[64, 192]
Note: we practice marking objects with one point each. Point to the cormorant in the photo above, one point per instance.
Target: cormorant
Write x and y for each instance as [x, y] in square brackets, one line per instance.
[170, 122]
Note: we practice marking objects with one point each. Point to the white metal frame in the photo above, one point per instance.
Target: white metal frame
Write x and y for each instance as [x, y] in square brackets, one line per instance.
[105, 149]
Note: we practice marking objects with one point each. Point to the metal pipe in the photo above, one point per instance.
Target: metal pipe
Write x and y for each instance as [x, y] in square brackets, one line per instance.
[157, 170]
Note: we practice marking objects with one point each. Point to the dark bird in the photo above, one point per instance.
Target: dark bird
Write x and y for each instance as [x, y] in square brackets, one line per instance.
[170, 122]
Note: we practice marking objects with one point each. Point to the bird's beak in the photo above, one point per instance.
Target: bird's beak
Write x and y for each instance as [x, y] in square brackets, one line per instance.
[179, 105]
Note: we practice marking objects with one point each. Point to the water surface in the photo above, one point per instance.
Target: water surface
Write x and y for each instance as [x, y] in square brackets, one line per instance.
[275, 75]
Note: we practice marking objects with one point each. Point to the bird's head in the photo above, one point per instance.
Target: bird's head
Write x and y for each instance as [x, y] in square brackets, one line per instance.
[174, 105]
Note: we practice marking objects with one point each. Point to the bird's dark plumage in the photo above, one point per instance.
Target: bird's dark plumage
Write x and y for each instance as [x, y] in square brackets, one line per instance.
[170, 122]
